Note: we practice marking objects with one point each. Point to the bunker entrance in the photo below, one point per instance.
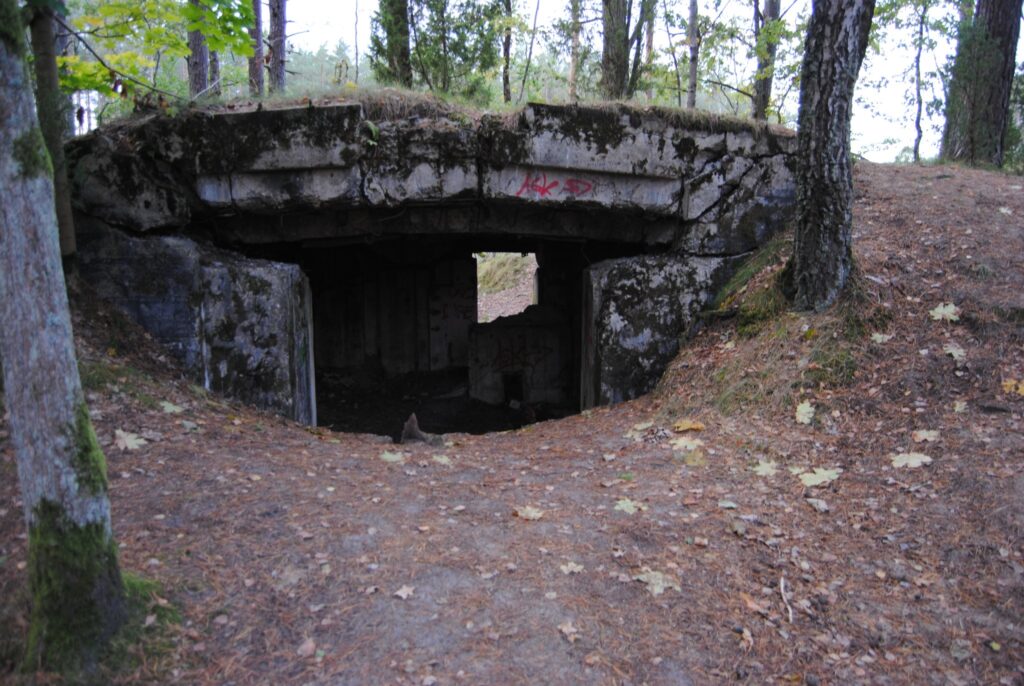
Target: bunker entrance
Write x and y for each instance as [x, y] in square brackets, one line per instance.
[405, 325]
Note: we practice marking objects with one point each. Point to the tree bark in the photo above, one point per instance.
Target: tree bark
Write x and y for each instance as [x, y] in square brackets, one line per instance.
[198, 61]
[52, 117]
[214, 73]
[693, 38]
[765, 59]
[278, 44]
[575, 25]
[74, 578]
[506, 55]
[837, 36]
[922, 21]
[394, 19]
[615, 51]
[649, 49]
[978, 106]
[256, 61]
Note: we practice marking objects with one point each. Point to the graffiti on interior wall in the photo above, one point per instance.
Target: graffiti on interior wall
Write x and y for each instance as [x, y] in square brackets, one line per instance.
[543, 187]
[520, 352]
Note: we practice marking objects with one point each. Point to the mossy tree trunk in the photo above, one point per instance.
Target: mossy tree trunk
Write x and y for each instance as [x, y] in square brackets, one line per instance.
[978, 106]
[53, 116]
[77, 591]
[837, 36]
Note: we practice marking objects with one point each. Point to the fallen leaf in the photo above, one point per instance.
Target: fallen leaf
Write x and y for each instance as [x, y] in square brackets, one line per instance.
[819, 477]
[568, 630]
[817, 503]
[910, 460]
[685, 443]
[656, 582]
[1013, 386]
[529, 513]
[127, 441]
[684, 425]
[638, 430]
[694, 458]
[628, 506]
[947, 312]
[442, 460]
[753, 605]
[804, 412]
[727, 505]
[307, 649]
[1005, 210]
[170, 408]
[571, 568]
[765, 468]
[391, 457]
[923, 435]
[405, 592]
[881, 337]
[959, 406]
[955, 351]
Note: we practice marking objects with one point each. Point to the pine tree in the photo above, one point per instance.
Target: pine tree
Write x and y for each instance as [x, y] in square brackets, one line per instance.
[74, 578]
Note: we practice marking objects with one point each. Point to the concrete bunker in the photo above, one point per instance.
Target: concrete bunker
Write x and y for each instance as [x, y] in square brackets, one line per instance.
[318, 261]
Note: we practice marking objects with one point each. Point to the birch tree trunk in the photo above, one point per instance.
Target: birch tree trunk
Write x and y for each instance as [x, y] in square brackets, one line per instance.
[76, 586]
[278, 43]
[837, 36]
[52, 117]
[256, 61]
[693, 38]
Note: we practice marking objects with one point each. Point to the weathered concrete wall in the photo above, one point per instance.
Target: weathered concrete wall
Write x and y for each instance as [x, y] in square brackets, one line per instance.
[636, 312]
[239, 326]
[709, 176]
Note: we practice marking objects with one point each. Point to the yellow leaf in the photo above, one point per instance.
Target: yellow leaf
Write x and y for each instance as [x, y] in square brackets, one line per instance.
[529, 513]
[804, 412]
[684, 425]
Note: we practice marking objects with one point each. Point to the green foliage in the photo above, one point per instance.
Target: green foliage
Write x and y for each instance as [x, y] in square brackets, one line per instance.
[454, 46]
[31, 155]
[224, 24]
[76, 589]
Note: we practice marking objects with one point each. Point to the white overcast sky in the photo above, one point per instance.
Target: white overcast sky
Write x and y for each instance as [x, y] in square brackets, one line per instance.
[323, 22]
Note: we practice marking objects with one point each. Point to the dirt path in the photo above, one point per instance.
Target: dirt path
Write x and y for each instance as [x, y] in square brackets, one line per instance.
[299, 556]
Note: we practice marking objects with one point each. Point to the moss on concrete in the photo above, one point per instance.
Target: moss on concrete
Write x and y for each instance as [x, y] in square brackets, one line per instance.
[77, 592]
[89, 462]
[31, 154]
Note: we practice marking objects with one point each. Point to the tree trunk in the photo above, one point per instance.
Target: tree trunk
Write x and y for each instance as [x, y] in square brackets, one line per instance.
[256, 61]
[394, 19]
[675, 59]
[574, 49]
[636, 41]
[52, 117]
[506, 55]
[922, 22]
[649, 50]
[837, 36]
[198, 61]
[76, 586]
[529, 53]
[615, 51]
[693, 38]
[978, 106]
[766, 51]
[278, 44]
[214, 73]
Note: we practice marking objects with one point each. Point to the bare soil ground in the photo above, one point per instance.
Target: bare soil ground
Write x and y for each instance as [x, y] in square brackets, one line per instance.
[302, 556]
